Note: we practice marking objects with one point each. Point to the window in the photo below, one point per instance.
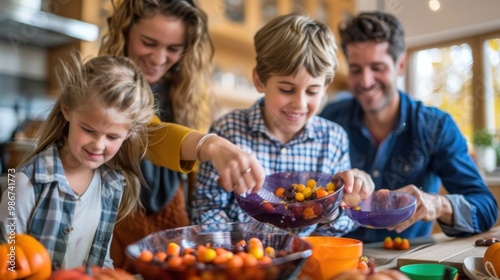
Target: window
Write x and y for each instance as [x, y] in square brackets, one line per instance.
[462, 78]
[269, 10]
[235, 10]
[443, 79]
[492, 82]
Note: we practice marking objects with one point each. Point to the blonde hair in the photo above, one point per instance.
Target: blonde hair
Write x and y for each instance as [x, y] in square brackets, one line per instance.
[105, 82]
[190, 79]
[289, 42]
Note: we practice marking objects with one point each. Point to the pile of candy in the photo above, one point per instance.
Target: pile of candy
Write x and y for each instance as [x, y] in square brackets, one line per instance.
[243, 254]
[302, 192]
[398, 243]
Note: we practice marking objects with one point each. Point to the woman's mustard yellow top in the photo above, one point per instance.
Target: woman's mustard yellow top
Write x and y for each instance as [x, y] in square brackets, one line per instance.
[164, 146]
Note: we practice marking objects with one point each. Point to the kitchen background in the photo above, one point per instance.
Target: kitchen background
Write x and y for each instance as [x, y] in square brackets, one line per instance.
[35, 34]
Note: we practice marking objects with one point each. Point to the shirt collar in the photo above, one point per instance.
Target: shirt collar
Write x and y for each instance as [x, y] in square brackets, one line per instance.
[257, 125]
[49, 168]
[357, 113]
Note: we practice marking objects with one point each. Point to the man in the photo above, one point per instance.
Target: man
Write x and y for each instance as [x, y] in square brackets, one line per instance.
[402, 143]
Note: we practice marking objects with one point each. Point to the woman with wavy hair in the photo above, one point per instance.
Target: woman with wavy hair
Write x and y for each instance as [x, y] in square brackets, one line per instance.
[169, 41]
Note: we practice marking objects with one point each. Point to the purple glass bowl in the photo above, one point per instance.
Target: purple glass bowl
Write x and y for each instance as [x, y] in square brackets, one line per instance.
[264, 206]
[383, 209]
[224, 235]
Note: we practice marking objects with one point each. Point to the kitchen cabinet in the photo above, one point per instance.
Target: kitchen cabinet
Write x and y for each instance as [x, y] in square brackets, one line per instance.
[29, 30]
[91, 11]
[51, 26]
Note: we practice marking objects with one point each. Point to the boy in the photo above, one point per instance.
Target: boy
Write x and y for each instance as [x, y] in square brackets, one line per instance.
[296, 59]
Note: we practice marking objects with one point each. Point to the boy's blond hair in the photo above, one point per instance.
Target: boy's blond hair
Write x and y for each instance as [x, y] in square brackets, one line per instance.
[289, 42]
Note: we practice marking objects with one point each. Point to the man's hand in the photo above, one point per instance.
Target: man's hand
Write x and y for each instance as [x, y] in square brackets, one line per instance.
[430, 207]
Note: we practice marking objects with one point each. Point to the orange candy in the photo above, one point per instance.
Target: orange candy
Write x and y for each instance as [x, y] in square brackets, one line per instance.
[188, 251]
[270, 252]
[161, 256]
[362, 265]
[235, 262]
[330, 186]
[397, 242]
[249, 260]
[146, 256]
[405, 244]
[173, 249]
[257, 252]
[254, 242]
[308, 213]
[388, 244]
[321, 192]
[188, 259]
[207, 255]
[279, 192]
[265, 260]
[299, 197]
[175, 261]
[311, 183]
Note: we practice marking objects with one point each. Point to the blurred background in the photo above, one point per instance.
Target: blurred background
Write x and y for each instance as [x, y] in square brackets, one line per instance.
[453, 46]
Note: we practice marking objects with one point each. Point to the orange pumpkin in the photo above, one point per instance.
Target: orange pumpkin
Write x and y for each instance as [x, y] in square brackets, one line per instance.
[492, 260]
[367, 274]
[96, 272]
[24, 258]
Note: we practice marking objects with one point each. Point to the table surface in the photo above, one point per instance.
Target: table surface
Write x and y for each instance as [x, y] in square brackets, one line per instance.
[388, 259]
[437, 248]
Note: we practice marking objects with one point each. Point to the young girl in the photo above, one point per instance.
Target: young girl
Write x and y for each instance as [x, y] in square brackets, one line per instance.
[69, 188]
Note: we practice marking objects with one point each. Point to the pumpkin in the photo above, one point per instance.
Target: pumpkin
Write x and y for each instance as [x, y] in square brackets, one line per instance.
[91, 273]
[367, 274]
[492, 260]
[24, 258]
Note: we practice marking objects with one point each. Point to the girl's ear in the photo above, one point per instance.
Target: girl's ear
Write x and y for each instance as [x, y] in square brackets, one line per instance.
[256, 81]
[65, 112]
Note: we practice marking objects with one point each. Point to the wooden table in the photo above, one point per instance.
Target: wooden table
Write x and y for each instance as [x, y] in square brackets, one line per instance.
[435, 249]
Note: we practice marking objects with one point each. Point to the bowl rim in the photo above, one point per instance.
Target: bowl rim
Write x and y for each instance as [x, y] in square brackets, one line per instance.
[454, 270]
[352, 241]
[412, 204]
[243, 196]
[266, 229]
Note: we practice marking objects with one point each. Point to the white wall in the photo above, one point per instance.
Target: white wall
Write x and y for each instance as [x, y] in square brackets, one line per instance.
[455, 18]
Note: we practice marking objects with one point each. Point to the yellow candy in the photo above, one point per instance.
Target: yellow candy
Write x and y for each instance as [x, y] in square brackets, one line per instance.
[207, 255]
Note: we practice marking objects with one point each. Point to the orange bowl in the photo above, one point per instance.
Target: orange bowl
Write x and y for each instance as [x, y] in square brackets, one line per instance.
[331, 256]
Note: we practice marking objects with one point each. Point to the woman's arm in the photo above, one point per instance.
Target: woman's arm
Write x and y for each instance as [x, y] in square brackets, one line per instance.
[177, 147]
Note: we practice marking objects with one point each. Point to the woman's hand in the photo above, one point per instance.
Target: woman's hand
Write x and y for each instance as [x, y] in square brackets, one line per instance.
[238, 170]
[358, 186]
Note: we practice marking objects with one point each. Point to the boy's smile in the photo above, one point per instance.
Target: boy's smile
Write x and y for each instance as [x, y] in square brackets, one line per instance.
[290, 102]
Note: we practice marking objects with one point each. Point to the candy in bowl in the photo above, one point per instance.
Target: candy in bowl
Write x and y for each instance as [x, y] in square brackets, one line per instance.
[383, 209]
[220, 251]
[294, 199]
